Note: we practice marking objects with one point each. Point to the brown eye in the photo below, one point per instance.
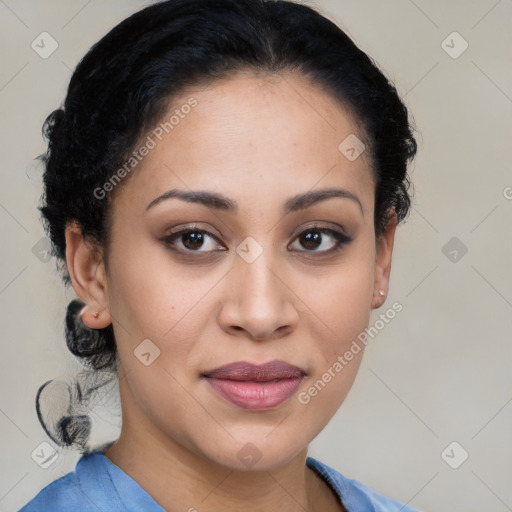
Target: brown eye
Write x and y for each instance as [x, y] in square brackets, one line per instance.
[311, 240]
[326, 239]
[193, 240]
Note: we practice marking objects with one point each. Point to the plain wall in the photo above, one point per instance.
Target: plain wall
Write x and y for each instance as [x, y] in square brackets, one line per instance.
[439, 372]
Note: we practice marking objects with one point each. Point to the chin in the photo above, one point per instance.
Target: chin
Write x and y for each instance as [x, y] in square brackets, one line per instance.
[257, 449]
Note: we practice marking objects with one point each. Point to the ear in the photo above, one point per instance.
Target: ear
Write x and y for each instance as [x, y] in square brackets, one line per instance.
[383, 252]
[87, 272]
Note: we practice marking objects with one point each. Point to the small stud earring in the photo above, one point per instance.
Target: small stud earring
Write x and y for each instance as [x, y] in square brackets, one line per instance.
[381, 293]
[82, 311]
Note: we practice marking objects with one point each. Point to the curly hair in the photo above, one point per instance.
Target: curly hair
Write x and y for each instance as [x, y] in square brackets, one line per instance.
[124, 84]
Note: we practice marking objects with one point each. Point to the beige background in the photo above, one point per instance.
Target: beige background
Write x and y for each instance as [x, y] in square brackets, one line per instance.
[438, 373]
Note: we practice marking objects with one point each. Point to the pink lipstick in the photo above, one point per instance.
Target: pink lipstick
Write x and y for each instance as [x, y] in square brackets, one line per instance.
[255, 387]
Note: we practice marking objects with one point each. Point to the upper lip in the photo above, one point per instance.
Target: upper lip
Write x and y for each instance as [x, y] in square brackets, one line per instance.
[244, 371]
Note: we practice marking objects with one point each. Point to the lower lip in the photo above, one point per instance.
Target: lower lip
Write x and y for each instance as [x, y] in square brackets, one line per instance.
[255, 395]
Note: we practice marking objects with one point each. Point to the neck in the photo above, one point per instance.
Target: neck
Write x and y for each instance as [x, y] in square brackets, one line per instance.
[179, 479]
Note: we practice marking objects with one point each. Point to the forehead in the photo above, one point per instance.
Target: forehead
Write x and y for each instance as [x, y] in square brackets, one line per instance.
[253, 134]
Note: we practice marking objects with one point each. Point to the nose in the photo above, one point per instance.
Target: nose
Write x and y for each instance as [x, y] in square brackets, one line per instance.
[259, 303]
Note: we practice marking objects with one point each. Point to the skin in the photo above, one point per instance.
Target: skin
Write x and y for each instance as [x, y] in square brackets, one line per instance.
[258, 140]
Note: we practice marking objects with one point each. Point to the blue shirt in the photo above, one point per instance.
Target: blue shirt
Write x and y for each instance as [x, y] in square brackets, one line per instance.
[99, 485]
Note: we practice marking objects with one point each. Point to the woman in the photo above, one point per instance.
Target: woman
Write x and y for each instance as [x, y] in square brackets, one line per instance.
[223, 183]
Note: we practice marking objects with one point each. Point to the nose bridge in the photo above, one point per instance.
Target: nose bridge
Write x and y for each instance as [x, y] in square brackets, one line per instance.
[259, 288]
[258, 301]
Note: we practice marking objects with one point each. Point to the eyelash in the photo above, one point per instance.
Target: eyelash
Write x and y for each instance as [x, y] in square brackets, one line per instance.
[340, 238]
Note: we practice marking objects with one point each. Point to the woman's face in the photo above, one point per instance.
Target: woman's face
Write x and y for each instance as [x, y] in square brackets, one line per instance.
[271, 269]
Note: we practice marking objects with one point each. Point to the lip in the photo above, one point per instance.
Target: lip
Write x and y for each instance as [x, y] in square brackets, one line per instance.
[255, 387]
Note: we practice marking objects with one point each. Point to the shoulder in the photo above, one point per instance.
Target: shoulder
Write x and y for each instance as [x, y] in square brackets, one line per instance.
[95, 485]
[55, 496]
[355, 495]
[65, 492]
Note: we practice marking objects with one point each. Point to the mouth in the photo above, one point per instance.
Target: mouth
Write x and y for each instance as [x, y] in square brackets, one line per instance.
[255, 387]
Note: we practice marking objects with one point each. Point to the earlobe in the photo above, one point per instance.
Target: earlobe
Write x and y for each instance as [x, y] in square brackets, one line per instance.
[86, 269]
[383, 253]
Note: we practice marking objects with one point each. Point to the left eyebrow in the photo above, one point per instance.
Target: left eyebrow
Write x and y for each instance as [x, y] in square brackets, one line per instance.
[221, 202]
[303, 201]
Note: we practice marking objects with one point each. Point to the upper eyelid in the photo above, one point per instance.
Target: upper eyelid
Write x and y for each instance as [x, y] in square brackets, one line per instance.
[318, 227]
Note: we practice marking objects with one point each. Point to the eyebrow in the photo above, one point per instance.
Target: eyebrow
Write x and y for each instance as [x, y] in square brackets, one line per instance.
[221, 202]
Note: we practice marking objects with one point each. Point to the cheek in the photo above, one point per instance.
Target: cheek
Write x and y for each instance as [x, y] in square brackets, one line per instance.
[150, 297]
[339, 304]
[343, 315]
[167, 404]
[338, 299]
